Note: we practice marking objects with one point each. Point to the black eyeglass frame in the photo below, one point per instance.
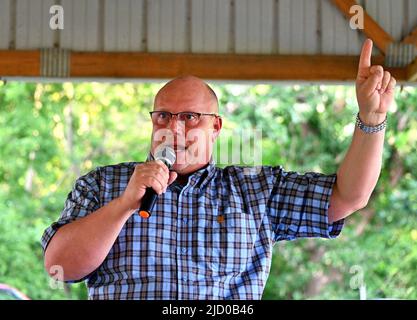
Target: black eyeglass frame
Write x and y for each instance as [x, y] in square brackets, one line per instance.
[199, 114]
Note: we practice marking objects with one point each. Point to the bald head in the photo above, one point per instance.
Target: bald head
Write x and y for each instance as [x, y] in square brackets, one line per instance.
[189, 93]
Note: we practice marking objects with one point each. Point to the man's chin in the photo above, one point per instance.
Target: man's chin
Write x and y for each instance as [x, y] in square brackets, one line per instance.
[185, 169]
[180, 168]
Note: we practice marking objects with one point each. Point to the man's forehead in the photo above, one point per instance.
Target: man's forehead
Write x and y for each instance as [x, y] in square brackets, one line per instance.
[175, 101]
[186, 107]
[179, 95]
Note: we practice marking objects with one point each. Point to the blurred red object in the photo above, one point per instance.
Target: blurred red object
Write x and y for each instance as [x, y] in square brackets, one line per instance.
[12, 293]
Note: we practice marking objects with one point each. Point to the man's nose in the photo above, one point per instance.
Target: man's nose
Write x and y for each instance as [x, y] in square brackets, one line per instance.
[176, 126]
[177, 129]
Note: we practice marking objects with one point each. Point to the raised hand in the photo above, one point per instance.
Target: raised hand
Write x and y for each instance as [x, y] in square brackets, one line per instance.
[374, 88]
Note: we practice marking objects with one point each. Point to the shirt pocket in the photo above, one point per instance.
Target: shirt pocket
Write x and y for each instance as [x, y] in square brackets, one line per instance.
[230, 239]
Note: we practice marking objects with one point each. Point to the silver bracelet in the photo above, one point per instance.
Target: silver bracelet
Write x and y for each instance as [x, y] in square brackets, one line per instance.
[370, 129]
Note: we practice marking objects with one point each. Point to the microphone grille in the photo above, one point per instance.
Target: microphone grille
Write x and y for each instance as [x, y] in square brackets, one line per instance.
[166, 154]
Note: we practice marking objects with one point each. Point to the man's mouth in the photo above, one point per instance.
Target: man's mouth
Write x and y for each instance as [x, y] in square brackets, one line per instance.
[180, 147]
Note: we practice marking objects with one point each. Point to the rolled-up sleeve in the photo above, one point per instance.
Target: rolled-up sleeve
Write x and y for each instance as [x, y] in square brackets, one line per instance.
[81, 201]
[299, 203]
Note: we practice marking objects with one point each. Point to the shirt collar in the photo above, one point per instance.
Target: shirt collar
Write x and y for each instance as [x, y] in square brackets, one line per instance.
[201, 177]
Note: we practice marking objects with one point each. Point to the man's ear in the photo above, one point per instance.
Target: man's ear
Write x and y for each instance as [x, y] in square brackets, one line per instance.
[217, 126]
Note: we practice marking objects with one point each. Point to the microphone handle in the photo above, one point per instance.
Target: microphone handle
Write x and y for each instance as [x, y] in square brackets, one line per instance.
[148, 202]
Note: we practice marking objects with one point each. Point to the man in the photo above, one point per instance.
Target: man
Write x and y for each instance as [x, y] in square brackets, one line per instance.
[212, 230]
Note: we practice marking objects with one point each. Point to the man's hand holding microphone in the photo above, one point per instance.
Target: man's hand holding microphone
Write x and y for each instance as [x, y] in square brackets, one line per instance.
[149, 180]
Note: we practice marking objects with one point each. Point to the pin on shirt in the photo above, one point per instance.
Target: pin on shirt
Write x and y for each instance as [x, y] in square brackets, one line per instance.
[220, 218]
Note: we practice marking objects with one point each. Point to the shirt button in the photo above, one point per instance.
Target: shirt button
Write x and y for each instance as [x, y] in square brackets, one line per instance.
[184, 220]
[184, 250]
[184, 278]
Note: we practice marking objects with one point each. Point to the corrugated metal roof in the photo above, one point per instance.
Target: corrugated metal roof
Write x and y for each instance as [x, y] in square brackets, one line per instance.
[200, 26]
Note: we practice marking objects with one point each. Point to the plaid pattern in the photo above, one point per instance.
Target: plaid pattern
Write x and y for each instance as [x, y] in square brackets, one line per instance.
[211, 239]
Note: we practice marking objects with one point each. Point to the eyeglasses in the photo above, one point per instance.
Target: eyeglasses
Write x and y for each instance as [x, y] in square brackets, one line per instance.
[191, 119]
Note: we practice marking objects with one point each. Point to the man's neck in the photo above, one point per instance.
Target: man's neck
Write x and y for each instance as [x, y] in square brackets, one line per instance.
[183, 178]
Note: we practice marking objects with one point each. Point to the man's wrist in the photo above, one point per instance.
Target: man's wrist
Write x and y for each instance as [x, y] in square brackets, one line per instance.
[123, 206]
[368, 129]
[372, 119]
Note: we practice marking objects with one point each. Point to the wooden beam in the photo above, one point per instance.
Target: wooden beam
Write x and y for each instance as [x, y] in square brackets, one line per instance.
[411, 38]
[412, 71]
[206, 66]
[371, 28]
[20, 63]
[214, 66]
[219, 66]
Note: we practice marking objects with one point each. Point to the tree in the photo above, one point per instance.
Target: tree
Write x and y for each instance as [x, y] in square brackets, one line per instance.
[52, 133]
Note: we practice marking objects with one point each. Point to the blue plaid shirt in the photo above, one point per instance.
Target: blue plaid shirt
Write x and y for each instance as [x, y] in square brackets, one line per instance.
[209, 239]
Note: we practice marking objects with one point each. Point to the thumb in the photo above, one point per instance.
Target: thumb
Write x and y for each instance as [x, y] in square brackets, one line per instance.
[374, 81]
[172, 176]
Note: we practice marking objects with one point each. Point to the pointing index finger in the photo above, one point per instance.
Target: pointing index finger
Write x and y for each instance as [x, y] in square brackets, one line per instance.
[366, 53]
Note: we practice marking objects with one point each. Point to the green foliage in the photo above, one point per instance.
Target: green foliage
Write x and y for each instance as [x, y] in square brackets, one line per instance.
[52, 133]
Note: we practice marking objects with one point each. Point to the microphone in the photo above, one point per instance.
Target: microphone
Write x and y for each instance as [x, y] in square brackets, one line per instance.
[167, 156]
